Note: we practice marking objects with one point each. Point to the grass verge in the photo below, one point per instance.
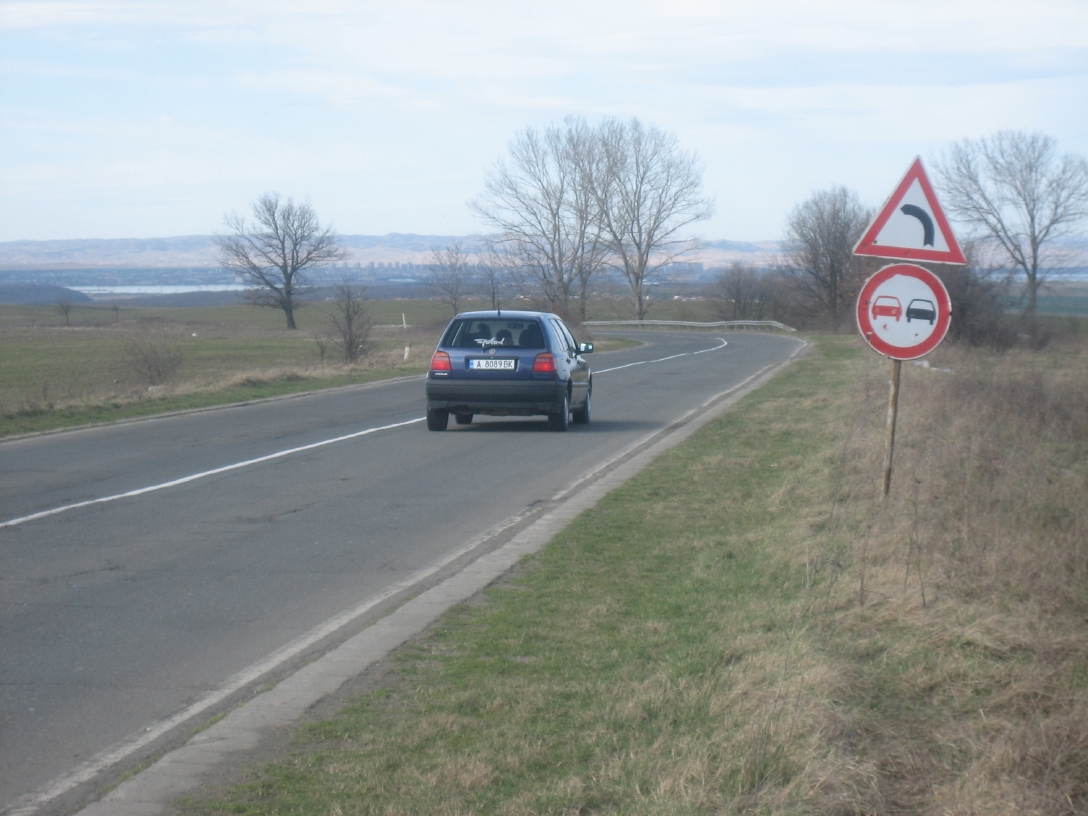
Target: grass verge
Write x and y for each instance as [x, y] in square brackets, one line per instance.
[746, 628]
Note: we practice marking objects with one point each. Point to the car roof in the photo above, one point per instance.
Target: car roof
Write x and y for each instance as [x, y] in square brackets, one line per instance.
[505, 313]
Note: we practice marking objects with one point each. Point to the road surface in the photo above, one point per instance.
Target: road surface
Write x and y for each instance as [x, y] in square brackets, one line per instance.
[247, 527]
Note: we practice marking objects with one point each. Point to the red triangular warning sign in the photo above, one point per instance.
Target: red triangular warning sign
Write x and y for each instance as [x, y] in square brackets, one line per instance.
[911, 225]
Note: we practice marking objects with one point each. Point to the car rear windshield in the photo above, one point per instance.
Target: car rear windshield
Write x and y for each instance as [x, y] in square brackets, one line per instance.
[494, 332]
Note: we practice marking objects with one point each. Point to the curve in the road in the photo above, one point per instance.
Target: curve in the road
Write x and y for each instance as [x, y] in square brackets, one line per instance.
[280, 454]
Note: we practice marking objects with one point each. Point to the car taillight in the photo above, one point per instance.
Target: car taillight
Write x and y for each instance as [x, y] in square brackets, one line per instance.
[544, 364]
[441, 362]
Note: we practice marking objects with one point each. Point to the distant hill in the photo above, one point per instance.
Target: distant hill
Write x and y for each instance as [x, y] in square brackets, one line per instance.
[186, 250]
[199, 251]
[26, 294]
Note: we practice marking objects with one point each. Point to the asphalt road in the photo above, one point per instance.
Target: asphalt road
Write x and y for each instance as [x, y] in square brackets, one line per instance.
[118, 614]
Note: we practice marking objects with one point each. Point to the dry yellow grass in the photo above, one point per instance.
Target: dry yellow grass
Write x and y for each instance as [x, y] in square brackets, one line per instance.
[956, 626]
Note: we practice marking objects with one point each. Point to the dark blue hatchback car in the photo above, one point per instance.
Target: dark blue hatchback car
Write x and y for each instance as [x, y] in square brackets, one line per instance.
[504, 363]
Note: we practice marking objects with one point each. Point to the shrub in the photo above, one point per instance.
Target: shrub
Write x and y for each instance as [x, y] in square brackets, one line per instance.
[152, 360]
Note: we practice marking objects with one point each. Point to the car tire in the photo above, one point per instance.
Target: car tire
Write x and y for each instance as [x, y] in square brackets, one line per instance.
[463, 419]
[581, 416]
[437, 420]
[561, 420]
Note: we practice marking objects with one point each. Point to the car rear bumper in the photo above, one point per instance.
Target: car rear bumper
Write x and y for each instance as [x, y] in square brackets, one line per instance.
[496, 398]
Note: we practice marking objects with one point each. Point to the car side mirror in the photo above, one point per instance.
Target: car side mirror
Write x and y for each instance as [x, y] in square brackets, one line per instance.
[585, 348]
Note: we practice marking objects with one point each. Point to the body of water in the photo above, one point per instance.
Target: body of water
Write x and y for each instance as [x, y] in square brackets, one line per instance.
[101, 291]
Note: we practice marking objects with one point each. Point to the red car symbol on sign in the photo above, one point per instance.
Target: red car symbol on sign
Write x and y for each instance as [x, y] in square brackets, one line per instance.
[887, 306]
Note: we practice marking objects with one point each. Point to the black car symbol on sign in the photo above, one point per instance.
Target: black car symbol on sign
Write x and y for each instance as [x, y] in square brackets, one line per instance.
[922, 309]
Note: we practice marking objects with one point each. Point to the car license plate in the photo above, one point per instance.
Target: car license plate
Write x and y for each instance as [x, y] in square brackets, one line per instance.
[492, 364]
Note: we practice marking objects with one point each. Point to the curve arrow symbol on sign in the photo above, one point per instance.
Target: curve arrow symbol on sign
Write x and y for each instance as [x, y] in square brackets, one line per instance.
[923, 216]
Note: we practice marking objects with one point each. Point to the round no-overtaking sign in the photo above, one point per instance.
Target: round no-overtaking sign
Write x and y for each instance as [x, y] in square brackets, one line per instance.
[903, 311]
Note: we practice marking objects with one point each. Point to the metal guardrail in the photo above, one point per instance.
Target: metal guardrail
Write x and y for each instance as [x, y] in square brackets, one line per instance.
[721, 324]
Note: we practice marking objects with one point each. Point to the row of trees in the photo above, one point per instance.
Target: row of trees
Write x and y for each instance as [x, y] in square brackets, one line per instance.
[1013, 191]
[566, 204]
[979, 294]
[575, 200]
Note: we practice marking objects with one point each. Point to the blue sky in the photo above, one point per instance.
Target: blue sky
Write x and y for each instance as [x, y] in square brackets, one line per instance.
[143, 119]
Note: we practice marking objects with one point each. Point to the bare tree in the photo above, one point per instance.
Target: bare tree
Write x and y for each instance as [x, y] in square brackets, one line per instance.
[820, 237]
[742, 292]
[450, 274]
[277, 253]
[494, 272]
[648, 191]
[544, 208]
[1015, 189]
[64, 307]
[350, 322]
[979, 292]
[580, 149]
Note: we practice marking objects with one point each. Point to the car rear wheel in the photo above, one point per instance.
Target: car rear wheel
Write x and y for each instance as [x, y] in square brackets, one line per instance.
[581, 416]
[437, 420]
[561, 420]
[463, 419]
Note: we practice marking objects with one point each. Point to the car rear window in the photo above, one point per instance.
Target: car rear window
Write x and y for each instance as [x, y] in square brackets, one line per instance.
[494, 332]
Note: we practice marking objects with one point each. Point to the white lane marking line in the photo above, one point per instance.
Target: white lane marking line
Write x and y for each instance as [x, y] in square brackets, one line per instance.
[663, 359]
[195, 476]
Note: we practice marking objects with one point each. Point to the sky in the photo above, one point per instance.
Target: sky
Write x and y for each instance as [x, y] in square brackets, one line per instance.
[148, 119]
